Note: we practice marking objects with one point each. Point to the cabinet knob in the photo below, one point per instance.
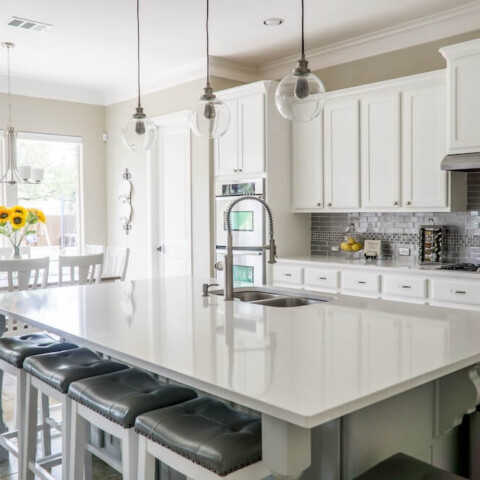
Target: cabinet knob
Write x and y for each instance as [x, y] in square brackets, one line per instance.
[235, 170]
[240, 169]
[319, 204]
[329, 204]
[395, 203]
[409, 203]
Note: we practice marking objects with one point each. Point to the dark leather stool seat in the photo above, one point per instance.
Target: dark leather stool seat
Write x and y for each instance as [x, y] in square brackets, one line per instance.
[60, 369]
[403, 467]
[15, 350]
[207, 432]
[122, 396]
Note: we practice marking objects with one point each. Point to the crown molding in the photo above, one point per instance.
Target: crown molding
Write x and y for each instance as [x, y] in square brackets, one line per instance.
[52, 91]
[427, 29]
[219, 67]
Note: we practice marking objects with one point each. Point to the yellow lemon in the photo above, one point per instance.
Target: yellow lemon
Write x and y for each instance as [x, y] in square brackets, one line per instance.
[351, 240]
[356, 247]
[346, 247]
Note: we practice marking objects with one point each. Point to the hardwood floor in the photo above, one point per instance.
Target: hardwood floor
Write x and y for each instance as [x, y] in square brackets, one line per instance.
[8, 470]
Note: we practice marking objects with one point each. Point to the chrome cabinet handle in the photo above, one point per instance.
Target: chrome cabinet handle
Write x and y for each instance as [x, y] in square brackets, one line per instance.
[404, 286]
[362, 282]
[287, 274]
[322, 278]
[460, 292]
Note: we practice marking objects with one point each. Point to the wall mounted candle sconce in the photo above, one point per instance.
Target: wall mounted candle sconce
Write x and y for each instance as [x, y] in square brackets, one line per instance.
[125, 197]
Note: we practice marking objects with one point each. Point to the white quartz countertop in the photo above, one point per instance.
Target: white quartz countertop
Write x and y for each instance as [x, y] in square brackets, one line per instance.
[405, 266]
[305, 365]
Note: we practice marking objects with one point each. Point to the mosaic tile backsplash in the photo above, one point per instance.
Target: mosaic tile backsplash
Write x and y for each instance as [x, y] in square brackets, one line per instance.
[461, 240]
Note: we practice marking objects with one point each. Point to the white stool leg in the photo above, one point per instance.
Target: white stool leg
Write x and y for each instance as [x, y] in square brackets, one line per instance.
[29, 431]
[78, 444]
[130, 455]
[146, 462]
[46, 429]
[66, 434]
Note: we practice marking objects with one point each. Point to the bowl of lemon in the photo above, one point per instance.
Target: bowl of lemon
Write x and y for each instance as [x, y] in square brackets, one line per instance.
[352, 243]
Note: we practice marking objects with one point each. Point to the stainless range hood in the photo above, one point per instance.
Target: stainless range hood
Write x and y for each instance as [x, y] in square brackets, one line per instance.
[465, 162]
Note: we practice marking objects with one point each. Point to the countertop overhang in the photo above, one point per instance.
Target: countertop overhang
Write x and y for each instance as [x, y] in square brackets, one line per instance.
[305, 365]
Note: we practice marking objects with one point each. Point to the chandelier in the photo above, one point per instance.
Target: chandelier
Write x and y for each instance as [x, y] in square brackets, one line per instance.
[14, 174]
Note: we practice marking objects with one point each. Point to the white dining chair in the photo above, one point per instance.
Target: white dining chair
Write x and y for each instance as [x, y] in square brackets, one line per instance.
[24, 274]
[7, 252]
[90, 249]
[82, 269]
[116, 262]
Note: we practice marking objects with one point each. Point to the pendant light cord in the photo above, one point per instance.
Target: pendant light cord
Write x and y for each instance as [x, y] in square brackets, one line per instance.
[208, 43]
[303, 29]
[138, 52]
[9, 89]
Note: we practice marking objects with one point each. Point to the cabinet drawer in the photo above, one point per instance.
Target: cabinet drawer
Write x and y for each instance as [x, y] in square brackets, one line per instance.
[361, 282]
[448, 291]
[284, 274]
[403, 286]
[321, 278]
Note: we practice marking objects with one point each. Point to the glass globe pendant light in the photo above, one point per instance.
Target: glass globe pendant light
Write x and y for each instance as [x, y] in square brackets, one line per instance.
[139, 132]
[209, 117]
[300, 96]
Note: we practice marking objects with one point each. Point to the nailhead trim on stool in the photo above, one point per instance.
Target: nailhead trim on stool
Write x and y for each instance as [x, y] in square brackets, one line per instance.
[15, 350]
[122, 396]
[206, 432]
[403, 467]
[60, 369]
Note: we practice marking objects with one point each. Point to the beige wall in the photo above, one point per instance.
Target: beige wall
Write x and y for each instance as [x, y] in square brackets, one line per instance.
[401, 63]
[118, 158]
[40, 115]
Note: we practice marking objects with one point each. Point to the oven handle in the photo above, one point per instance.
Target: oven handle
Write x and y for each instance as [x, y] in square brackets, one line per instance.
[242, 249]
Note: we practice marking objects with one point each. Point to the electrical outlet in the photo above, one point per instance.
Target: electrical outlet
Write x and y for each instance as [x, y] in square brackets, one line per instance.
[335, 249]
[404, 252]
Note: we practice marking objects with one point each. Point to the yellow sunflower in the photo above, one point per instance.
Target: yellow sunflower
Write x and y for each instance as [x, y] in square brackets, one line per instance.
[18, 210]
[17, 221]
[4, 215]
[40, 215]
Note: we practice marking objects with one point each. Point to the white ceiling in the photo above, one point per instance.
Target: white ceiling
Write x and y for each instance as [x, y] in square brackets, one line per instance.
[92, 44]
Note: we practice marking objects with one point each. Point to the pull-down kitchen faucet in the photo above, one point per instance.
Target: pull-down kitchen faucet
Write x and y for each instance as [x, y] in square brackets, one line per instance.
[229, 256]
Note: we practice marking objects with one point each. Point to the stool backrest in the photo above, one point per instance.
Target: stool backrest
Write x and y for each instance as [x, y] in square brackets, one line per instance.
[7, 252]
[24, 274]
[116, 262]
[91, 249]
[82, 269]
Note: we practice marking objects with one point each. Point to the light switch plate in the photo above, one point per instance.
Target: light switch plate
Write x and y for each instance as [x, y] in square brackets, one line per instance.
[335, 249]
[404, 252]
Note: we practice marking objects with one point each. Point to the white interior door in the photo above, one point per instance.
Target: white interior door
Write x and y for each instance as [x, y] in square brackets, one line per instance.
[174, 198]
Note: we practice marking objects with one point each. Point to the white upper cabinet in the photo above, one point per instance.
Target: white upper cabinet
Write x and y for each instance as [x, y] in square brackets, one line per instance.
[463, 70]
[241, 150]
[424, 184]
[342, 155]
[380, 151]
[307, 165]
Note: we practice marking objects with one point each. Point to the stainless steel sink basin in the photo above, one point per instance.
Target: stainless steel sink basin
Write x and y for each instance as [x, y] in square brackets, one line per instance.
[288, 302]
[275, 298]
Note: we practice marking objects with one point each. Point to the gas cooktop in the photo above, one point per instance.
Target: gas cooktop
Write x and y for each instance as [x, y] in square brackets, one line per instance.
[466, 267]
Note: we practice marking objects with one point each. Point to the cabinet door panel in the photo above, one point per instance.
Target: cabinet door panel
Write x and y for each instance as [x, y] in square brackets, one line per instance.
[464, 104]
[342, 155]
[226, 147]
[307, 164]
[380, 151]
[252, 133]
[424, 183]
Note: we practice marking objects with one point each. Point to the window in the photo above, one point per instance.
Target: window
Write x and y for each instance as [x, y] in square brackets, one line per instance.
[57, 195]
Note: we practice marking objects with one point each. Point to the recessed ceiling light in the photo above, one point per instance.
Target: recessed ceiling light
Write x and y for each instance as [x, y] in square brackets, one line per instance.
[31, 25]
[273, 22]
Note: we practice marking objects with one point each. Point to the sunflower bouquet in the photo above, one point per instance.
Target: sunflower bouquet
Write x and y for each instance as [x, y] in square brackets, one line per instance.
[16, 224]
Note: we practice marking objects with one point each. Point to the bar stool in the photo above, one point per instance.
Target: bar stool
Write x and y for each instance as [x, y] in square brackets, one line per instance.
[51, 374]
[13, 352]
[112, 402]
[403, 467]
[202, 438]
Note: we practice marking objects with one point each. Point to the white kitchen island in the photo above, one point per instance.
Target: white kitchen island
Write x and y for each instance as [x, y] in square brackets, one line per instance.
[299, 367]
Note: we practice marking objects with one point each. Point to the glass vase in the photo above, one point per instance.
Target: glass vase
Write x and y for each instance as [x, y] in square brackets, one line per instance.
[16, 252]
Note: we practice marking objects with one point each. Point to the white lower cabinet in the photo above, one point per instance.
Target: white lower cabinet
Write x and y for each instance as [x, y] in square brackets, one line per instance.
[459, 292]
[322, 278]
[361, 283]
[407, 287]
[286, 275]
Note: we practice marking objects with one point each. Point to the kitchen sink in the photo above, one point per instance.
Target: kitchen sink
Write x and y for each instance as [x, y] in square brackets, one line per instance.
[275, 298]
